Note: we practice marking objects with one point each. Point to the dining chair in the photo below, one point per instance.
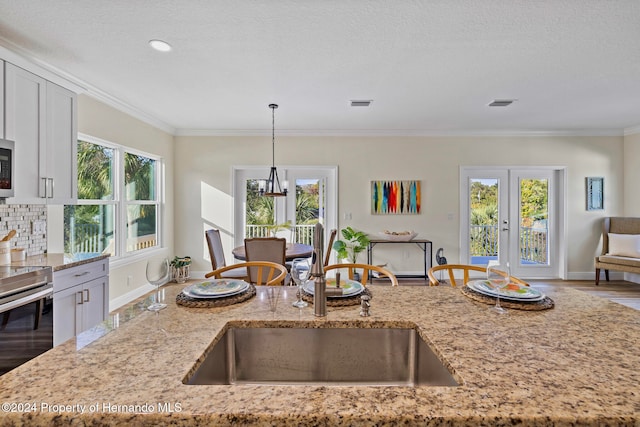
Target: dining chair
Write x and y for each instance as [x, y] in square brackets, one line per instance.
[451, 269]
[216, 253]
[327, 254]
[366, 269]
[265, 273]
[271, 249]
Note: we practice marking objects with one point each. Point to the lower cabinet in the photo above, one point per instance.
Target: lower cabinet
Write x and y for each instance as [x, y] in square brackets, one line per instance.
[80, 299]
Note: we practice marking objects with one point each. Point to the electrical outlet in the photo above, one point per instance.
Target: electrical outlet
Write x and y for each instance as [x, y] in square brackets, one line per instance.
[38, 227]
[129, 281]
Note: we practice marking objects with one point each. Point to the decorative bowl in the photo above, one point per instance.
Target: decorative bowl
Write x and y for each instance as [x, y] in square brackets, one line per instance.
[398, 236]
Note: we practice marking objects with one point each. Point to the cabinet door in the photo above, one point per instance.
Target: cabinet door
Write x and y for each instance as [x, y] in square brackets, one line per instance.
[95, 302]
[67, 314]
[24, 123]
[58, 154]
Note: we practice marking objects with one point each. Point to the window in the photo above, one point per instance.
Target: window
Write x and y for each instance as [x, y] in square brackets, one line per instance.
[118, 195]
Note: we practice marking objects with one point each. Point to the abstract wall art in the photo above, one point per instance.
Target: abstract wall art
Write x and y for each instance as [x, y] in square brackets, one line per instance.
[395, 197]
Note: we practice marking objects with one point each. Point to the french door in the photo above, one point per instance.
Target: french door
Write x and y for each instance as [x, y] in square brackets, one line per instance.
[312, 198]
[512, 215]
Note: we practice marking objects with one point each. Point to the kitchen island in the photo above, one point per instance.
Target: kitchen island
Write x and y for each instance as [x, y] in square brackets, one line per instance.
[576, 364]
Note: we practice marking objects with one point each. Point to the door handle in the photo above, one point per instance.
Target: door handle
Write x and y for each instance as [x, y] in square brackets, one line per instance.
[52, 185]
[505, 228]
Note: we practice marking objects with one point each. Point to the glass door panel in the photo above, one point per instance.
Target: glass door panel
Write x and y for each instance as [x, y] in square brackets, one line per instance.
[532, 194]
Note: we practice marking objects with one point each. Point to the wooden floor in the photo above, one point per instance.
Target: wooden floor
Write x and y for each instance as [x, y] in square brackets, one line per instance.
[625, 293]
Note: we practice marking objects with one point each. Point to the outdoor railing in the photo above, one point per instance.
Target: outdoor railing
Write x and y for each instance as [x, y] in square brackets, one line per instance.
[87, 238]
[533, 242]
[299, 234]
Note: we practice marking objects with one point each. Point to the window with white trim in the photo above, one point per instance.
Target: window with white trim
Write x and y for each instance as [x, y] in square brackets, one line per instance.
[118, 209]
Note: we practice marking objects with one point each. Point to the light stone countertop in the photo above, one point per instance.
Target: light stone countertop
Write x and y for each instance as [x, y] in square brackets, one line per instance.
[59, 261]
[576, 364]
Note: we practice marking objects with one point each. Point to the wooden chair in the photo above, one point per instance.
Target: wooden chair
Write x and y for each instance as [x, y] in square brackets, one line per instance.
[216, 253]
[366, 269]
[271, 249]
[266, 273]
[327, 254]
[452, 268]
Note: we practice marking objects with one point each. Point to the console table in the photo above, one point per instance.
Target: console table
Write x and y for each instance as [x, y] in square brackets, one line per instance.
[423, 244]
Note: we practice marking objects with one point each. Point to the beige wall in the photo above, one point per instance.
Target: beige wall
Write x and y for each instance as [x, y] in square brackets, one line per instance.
[203, 183]
[101, 121]
[632, 175]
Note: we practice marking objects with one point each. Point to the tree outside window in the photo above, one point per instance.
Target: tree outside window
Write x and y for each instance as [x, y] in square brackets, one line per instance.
[91, 225]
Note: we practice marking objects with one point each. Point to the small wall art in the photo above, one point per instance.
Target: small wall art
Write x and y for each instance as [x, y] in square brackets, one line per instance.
[395, 197]
[595, 193]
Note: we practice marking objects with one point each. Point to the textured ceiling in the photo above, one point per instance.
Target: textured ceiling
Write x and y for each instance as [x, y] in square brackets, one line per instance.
[429, 66]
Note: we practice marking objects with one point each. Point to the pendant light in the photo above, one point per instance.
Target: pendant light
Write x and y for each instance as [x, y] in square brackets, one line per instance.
[271, 186]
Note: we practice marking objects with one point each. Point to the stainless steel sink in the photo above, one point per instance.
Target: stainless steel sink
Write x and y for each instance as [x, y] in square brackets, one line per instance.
[322, 356]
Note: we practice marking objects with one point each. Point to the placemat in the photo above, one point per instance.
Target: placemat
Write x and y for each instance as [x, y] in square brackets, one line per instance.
[186, 301]
[339, 302]
[544, 304]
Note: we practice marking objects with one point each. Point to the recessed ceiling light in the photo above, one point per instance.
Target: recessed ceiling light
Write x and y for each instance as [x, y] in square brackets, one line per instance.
[361, 102]
[160, 46]
[501, 102]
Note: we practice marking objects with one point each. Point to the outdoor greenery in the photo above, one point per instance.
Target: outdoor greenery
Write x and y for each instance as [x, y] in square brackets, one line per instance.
[96, 182]
[483, 203]
[260, 210]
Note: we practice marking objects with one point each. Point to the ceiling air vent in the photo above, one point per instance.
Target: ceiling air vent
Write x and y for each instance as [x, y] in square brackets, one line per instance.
[501, 102]
[361, 103]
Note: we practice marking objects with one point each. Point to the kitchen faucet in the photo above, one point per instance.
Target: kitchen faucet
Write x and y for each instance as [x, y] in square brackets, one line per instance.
[320, 291]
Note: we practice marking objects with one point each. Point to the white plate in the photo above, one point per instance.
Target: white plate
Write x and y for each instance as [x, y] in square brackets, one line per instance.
[522, 293]
[350, 288]
[216, 288]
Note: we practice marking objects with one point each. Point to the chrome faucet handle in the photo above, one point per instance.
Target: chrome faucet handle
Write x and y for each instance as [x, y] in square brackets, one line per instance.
[365, 305]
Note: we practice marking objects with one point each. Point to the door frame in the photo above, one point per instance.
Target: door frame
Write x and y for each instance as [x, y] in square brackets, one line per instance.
[560, 202]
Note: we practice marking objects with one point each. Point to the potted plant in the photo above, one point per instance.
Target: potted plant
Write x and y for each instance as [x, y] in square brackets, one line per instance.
[180, 268]
[351, 245]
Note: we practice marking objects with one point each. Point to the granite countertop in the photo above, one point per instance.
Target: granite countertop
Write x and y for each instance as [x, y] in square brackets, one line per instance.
[59, 261]
[576, 364]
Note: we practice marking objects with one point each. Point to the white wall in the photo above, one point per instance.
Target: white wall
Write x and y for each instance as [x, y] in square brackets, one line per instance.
[203, 183]
[632, 175]
[101, 121]
[631, 183]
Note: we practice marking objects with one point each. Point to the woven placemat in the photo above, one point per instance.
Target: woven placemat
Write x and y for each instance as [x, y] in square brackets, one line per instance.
[339, 302]
[544, 304]
[186, 301]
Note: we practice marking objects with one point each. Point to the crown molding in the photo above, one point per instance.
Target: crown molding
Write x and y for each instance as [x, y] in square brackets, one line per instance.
[24, 59]
[127, 108]
[632, 130]
[401, 132]
[19, 57]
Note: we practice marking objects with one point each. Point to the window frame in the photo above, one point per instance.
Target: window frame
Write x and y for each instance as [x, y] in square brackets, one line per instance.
[121, 205]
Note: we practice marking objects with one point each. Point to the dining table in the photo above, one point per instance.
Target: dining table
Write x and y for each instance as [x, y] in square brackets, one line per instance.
[292, 251]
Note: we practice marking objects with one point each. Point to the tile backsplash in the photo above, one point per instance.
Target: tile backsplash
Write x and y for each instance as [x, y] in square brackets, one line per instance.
[21, 218]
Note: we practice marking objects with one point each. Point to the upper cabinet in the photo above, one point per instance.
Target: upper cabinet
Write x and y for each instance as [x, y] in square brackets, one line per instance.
[41, 118]
[60, 150]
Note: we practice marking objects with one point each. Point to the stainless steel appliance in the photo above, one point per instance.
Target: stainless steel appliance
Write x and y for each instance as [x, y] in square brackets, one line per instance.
[7, 168]
[26, 314]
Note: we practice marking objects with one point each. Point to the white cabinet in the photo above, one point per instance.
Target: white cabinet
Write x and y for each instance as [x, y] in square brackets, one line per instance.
[41, 118]
[58, 165]
[24, 124]
[80, 299]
